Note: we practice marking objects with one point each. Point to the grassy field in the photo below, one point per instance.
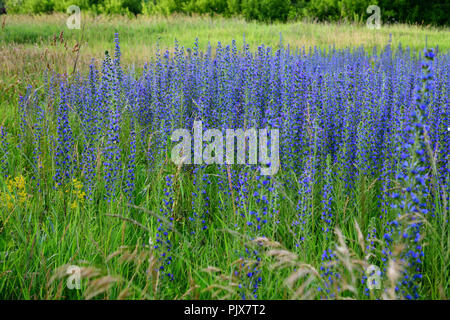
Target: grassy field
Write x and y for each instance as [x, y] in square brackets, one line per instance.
[48, 223]
[29, 44]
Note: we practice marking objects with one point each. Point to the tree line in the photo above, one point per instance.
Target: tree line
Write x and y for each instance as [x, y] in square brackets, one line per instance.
[435, 12]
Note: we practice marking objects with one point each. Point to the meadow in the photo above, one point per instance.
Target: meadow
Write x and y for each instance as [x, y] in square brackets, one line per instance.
[358, 210]
[30, 44]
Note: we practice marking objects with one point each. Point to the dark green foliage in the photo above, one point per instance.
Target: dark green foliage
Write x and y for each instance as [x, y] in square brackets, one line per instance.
[134, 6]
[38, 6]
[392, 11]
[207, 6]
[416, 11]
[266, 10]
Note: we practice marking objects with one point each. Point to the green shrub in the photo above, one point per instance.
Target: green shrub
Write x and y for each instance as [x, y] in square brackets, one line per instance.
[119, 6]
[162, 7]
[62, 5]
[40, 6]
[133, 6]
[410, 11]
[266, 10]
[234, 7]
[323, 10]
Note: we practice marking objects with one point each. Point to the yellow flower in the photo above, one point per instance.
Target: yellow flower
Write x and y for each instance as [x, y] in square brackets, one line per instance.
[78, 192]
[7, 200]
[74, 205]
[20, 182]
[14, 187]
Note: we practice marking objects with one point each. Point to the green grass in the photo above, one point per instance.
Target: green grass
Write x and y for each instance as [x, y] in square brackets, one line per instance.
[42, 236]
[145, 32]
